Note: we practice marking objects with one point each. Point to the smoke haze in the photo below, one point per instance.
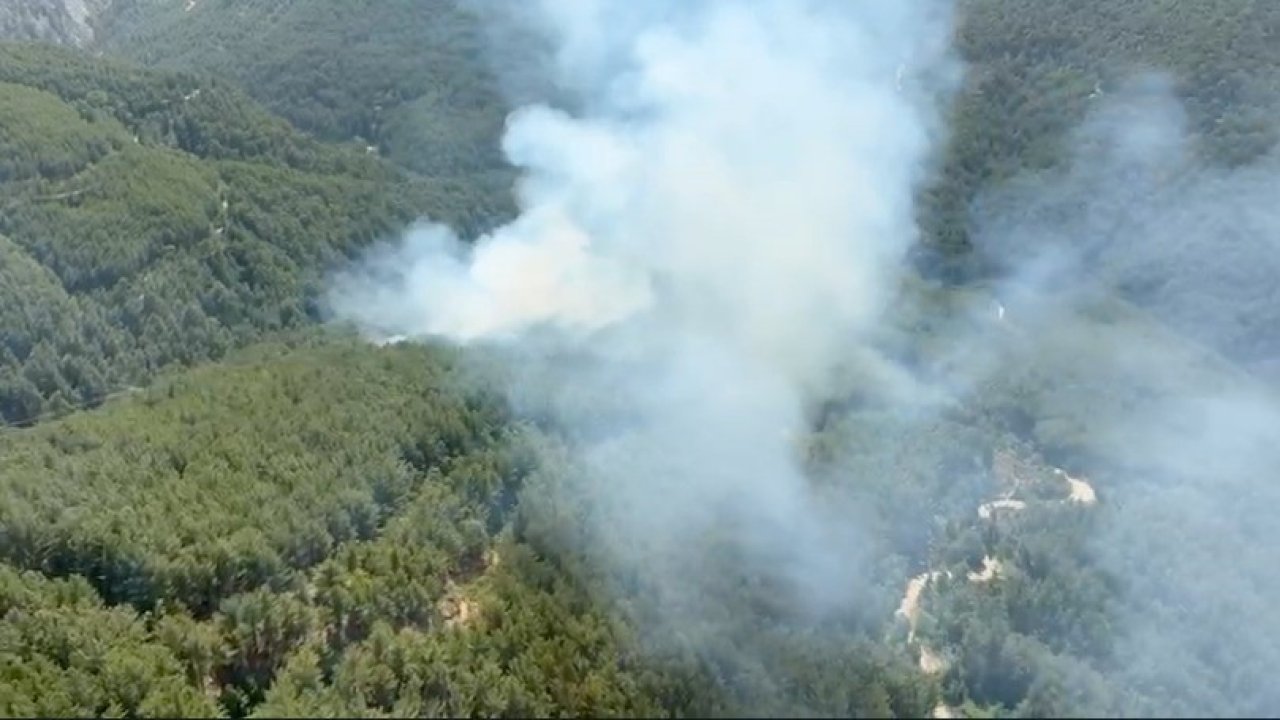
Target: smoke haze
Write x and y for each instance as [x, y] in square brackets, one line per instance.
[1183, 447]
[720, 220]
[716, 219]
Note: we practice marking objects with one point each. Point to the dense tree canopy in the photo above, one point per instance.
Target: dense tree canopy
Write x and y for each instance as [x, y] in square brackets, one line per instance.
[1036, 68]
[154, 220]
[404, 76]
[209, 506]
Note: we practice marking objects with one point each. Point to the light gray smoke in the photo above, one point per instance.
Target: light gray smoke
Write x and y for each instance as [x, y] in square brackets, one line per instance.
[720, 220]
[1183, 446]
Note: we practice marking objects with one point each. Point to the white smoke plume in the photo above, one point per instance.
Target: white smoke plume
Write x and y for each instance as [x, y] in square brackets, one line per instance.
[754, 160]
[718, 223]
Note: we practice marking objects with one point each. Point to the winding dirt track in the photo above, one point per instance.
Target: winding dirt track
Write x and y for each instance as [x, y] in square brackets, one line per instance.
[933, 662]
[909, 608]
[987, 510]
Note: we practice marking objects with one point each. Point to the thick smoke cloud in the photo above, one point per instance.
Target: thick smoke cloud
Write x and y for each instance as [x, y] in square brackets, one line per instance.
[1184, 448]
[720, 219]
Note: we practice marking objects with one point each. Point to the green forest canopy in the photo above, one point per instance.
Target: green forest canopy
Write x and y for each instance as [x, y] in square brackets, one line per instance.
[152, 219]
[257, 517]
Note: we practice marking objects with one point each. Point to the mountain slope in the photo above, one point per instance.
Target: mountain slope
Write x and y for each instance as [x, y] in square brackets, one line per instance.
[167, 219]
[406, 77]
[312, 526]
[297, 522]
[67, 22]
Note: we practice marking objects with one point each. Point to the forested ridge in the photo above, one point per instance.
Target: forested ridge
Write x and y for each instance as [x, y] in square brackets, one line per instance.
[407, 78]
[213, 504]
[150, 219]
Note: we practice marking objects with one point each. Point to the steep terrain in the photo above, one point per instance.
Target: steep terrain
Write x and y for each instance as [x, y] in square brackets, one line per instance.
[405, 78]
[66, 22]
[153, 219]
[213, 505]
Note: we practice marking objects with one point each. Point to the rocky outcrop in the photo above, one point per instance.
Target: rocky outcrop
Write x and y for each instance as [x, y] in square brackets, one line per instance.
[66, 22]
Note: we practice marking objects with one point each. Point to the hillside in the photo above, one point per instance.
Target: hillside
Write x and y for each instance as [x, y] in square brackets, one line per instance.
[152, 219]
[407, 78]
[410, 548]
[1041, 477]
[66, 22]
[1036, 69]
[355, 505]
[410, 79]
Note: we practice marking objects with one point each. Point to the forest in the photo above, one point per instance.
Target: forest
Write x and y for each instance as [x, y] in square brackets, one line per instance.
[215, 501]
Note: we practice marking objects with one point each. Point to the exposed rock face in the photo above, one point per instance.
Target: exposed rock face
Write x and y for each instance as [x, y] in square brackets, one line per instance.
[1081, 491]
[67, 22]
[992, 569]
